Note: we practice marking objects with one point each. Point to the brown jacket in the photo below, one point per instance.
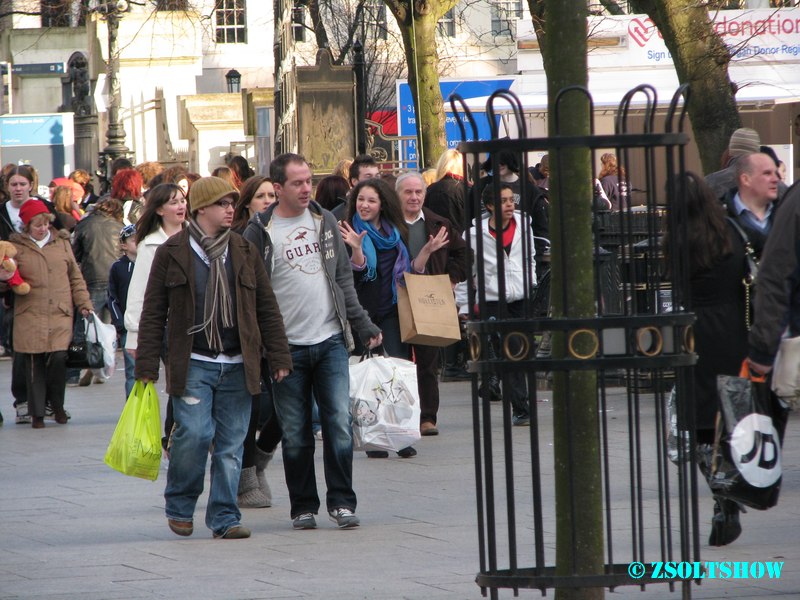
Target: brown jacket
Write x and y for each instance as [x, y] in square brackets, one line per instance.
[43, 318]
[169, 303]
[451, 260]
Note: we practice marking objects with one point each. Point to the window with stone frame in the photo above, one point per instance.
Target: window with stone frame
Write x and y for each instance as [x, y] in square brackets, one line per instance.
[63, 13]
[375, 16]
[172, 5]
[230, 22]
[299, 23]
[505, 14]
[447, 24]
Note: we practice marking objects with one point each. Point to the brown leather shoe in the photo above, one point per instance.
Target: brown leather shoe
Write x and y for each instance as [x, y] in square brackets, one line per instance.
[184, 528]
[37, 422]
[61, 417]
[237, 532]
[428, 428]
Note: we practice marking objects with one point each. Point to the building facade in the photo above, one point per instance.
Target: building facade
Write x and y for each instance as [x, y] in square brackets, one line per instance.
[178, 106]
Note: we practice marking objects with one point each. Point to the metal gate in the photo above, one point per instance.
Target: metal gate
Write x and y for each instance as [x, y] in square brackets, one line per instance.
[641, 332]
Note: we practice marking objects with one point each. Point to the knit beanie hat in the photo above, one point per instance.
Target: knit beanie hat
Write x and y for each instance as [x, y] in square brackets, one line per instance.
[207, 190]
[31, 208]
[744, 141]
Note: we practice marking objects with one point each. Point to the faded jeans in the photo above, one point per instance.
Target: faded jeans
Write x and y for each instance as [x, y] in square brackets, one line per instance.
[130, 365]
[214, 407]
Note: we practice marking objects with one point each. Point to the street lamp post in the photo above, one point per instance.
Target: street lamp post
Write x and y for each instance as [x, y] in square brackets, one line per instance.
[359, 67]
[111, 12]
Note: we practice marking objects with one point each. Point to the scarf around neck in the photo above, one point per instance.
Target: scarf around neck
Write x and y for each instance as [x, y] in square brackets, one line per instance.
[218, 296]
[376, 241]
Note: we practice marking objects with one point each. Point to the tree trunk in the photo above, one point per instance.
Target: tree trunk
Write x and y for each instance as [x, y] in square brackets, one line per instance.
[701, 59]
[579, 500]
[418, 28]
[320, 34]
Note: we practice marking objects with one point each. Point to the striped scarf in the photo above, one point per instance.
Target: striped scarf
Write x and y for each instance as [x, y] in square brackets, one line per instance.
[218, 296]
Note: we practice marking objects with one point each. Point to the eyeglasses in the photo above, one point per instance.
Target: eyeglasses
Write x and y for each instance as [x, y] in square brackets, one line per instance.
[224, 203]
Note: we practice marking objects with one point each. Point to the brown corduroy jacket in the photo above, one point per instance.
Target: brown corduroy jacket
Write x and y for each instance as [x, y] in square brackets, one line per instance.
[170, 300]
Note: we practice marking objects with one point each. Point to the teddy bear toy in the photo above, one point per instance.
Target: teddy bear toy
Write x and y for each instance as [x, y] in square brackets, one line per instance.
[8, 269]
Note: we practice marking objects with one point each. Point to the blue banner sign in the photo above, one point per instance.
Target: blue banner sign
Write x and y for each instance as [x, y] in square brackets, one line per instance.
[407, 118]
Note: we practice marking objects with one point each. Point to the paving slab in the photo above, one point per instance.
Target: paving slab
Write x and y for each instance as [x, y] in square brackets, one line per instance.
[73, 529]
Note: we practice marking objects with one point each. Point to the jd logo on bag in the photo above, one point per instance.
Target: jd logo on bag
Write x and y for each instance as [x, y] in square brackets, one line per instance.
[755, 450]
[745, 463]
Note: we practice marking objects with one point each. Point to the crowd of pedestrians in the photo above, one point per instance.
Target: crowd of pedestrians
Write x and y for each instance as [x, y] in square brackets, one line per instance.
[254, 292]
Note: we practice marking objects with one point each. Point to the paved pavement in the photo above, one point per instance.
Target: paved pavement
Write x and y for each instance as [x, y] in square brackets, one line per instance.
[71, 528]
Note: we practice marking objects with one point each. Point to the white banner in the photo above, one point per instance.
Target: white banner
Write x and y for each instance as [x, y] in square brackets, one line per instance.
[772, 35]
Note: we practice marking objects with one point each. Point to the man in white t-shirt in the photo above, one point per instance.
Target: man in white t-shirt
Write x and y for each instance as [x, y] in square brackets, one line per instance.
[312, 279]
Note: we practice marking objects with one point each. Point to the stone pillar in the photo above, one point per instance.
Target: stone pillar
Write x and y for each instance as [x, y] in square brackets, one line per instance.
[86, 143]
[326, 113]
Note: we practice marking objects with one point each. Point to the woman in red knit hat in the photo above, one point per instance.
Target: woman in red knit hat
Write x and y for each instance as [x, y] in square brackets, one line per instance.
[45, 261]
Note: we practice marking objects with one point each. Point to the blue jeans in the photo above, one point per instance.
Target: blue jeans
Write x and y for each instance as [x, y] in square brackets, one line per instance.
[98, 293]
[321, 368]
[130, 364]
[214, 407]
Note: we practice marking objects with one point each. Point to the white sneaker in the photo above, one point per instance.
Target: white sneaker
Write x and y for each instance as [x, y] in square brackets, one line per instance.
[304, 521]
[344, 518]
[22, 413]
[50, 414]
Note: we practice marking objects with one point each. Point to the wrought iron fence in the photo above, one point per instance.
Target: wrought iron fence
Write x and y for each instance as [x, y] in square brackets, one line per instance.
[642, 330]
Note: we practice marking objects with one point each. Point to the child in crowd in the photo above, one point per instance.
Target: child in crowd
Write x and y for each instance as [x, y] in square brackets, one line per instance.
[119, 279]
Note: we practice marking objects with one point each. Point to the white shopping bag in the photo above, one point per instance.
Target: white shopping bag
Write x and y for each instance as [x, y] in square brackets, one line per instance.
[107, 336]
[384, 402]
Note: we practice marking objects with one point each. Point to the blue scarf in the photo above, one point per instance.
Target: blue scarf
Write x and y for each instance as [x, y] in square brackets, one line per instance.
[375, 241]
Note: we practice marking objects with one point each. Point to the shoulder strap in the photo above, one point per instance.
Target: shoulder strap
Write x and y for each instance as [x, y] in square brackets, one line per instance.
[748, 246]
[738, 228]
[751, 264]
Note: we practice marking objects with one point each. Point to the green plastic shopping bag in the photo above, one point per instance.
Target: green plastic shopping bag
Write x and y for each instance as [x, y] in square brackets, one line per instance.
[135, 447]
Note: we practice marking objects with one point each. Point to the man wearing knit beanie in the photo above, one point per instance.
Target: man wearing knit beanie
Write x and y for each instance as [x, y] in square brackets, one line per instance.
[208, 190]
[222, 312]
[743, 141]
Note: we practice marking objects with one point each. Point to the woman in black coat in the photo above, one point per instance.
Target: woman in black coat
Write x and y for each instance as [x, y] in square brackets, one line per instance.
[717, 267]
[446, 195]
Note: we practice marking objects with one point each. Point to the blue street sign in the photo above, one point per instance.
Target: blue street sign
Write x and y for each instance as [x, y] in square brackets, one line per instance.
[406, 114]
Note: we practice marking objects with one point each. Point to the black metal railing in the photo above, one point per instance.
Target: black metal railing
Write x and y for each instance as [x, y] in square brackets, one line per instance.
[642, 331]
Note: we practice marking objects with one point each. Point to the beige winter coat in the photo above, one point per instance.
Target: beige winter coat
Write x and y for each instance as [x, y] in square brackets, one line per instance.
[43, 319]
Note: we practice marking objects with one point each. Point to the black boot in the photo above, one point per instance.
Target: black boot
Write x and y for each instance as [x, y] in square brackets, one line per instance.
[725, 526]
[490, 389]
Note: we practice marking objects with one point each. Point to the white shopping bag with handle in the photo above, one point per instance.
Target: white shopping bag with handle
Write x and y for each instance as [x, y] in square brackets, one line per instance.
[384, 402]
[107, 336]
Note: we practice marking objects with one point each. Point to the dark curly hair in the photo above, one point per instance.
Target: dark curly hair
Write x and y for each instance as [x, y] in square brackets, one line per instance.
[390, 204]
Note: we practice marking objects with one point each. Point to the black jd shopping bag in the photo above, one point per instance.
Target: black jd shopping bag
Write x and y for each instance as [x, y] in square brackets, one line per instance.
[745, 463]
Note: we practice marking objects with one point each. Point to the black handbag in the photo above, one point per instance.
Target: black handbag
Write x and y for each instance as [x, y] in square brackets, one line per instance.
[81, 353]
